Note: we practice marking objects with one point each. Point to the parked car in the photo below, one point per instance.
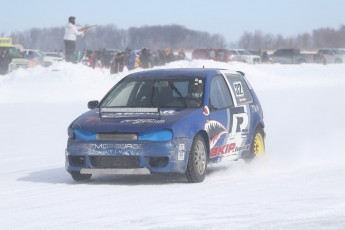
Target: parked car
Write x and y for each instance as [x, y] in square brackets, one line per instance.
[34, 56]
[51, 57]
[219, 54]
[244, 55]
[17, 61]
[167, 121]
[328, 55]
[291, 56]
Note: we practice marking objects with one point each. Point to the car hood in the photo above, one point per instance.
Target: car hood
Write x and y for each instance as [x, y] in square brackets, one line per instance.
[95, 122]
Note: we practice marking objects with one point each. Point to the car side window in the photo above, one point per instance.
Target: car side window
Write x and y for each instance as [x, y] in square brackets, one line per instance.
[239, 88]
[220, 96]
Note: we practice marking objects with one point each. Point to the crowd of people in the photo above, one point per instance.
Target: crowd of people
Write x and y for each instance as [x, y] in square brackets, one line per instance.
[130, 59]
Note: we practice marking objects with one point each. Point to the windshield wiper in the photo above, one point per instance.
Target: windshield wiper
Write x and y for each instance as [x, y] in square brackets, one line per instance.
[180, 98]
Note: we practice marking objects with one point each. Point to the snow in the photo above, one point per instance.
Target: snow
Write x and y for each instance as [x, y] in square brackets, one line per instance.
[298, 184]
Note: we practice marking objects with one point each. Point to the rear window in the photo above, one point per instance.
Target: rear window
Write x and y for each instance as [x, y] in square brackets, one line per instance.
[239, 88]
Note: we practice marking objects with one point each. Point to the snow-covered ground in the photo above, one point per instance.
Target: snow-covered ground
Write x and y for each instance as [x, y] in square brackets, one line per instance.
[299, 184]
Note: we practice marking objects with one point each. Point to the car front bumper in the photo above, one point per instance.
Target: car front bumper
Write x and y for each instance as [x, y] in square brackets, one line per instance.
[137, 157]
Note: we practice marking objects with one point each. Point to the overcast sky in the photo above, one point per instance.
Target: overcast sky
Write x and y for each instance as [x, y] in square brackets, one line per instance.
[227, 17]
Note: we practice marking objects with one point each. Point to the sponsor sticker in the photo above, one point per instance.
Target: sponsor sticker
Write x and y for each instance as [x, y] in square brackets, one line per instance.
[181, 151]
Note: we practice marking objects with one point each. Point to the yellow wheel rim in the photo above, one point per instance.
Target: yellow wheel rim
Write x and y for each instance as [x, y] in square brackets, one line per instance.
[259, 146]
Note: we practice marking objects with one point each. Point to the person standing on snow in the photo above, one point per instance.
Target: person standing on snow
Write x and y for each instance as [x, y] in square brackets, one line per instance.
[5, 60]
[71, 33]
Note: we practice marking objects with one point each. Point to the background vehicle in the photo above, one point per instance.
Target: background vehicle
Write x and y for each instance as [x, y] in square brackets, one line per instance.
[224, 55]
[246, 56]
[291, 56]
[17, 59]
[51, 57]
[328, 55]
[167, 121]
[34, 56]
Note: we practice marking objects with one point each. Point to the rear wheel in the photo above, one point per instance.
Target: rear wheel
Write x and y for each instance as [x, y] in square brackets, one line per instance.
[77, 176]
[257, 147]
[197, 161]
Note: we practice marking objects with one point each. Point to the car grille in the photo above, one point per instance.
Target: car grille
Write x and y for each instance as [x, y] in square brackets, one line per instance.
[121, 162]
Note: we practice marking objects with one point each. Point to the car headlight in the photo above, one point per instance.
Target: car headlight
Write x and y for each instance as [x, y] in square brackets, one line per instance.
[84, 135]
[159, 135]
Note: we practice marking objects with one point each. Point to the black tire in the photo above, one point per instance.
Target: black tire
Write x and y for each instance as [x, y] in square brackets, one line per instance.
[197, 161]
[77, 176]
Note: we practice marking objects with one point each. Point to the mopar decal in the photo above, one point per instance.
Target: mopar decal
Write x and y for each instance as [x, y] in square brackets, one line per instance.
[115, 146]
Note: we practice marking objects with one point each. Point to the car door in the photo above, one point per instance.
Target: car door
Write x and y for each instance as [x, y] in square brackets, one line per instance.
[228, 122]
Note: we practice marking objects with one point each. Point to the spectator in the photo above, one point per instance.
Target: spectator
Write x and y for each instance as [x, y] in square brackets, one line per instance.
[133, 60]
[264, 57]
[181, 55]
[145, 58]
[118, 63]
[5, 60]
[71, 33]
[212, 54]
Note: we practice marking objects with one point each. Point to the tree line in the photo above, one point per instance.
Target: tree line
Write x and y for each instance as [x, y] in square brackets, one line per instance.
[175, 37]
[109, 36]
[318, 38]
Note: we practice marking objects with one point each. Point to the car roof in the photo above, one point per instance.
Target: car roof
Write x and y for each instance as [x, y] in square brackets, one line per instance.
[186, 72]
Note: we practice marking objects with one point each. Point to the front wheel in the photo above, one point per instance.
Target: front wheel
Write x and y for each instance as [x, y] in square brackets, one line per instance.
[77, 176]
[197, 161]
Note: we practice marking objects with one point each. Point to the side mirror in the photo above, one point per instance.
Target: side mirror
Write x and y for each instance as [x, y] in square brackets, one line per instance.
[92, 104]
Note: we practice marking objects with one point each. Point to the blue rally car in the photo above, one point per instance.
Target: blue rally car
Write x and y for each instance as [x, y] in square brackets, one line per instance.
[167, 121]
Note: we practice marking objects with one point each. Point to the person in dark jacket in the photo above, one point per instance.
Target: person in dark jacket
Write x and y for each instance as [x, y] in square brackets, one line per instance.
[145, 58]
[5, 60]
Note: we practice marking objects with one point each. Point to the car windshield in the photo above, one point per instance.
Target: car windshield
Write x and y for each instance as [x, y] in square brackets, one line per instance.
[244, 52]
[172, 92]
[14, 53]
